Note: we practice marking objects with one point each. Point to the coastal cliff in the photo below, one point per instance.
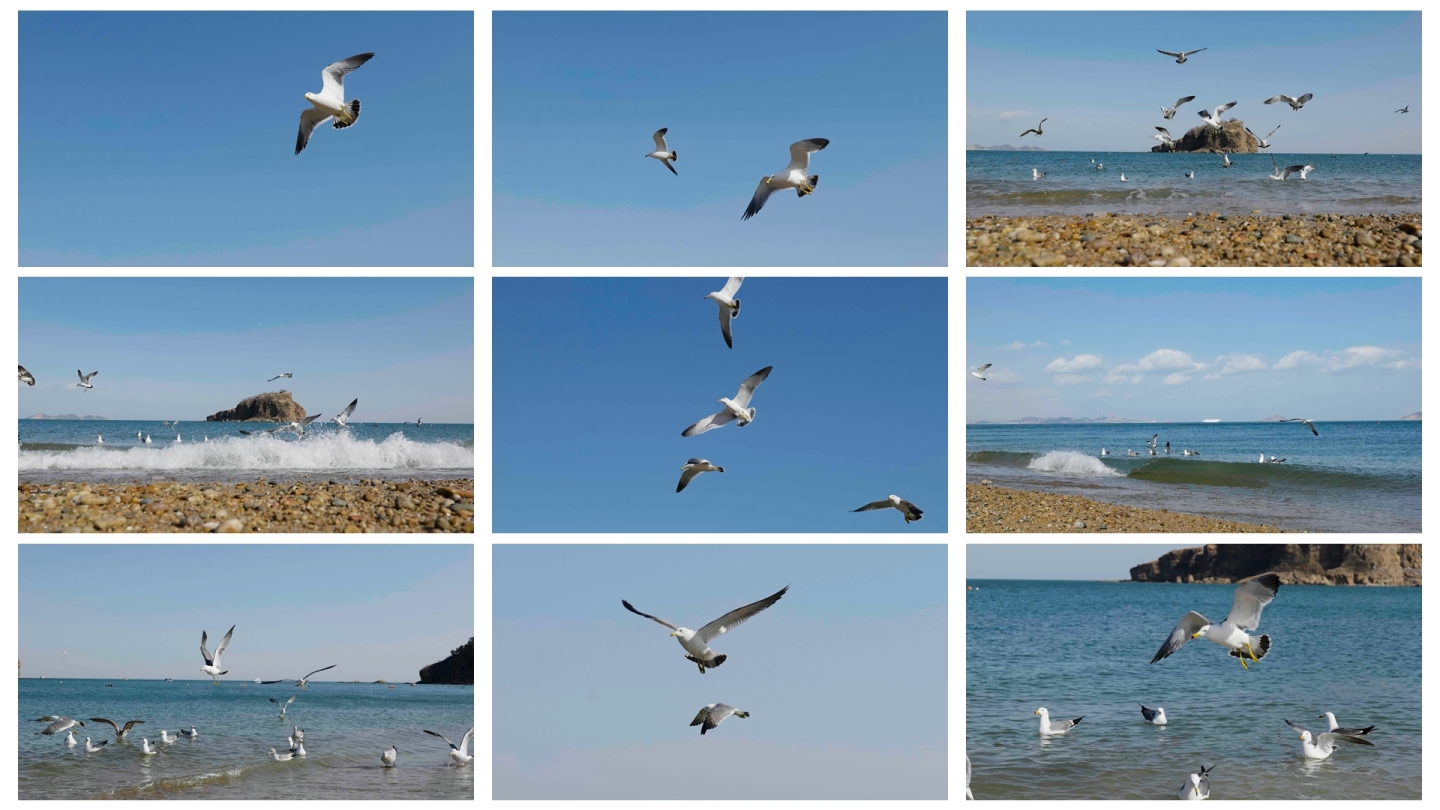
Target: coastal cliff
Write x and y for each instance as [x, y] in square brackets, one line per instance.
[1231, 138]
[458, 668]
[1296, 563]
[268, 407]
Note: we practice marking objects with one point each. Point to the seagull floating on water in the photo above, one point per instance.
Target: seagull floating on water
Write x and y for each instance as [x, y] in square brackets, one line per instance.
[459, 754]
[792, 176]
[330, 101]
[192, 733]
[1321, 746]
[696, 642]
[25, 376]
[93, 748]
[147, 438]
[1265, 142]
[694, 467]
[909, 510]
[1058, 727]
[1037, 173]
[729, 305]
[662, 152]
[145, 749]
[1190, 175]
[714, 714]
[1197, 787]
[120, 733]
[1227, 159]
[1305, 422]
[387, 758]
[1155, 716]
[285, 757]
[979, 373]
[212, 664]
[99, 439]
[1122, 177]
[1214, 121]
[1251, 596]
[1169, 112]
[1038, 130]
[1130, 453]
[1104, 452]
[1180, 58]
[1295, 103]
[70, 741]
[734, 408]
[166, 738]
[85, 378]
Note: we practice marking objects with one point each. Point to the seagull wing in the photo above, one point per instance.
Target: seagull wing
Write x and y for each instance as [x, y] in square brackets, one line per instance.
[873, 505]
[1281, 97]
[26, 377]
[1304, 98]
[1333, 736]
[1149, 714]
[725, 314]
[1273, 131]
[628, 607]
[291, 700]
[1186, 628]
[1197, 50]
[732, 286]
[307, 677]
[762, 193]
[737, 617]
[912, 511]
[309, 119]
[800, 152]
[668, 166]
[131, 724]
[982, 368]
[687, 473]
[1168, 53]
[333, 77]
[111, 722]
[659, 137]
[717, 714]
[1252, 596]
[1182, 101]
[1289, 170]
[349, 409]
[747, 388]
[465, 743]
[1164, 132]
[204, 653]
[701, 715]
[441, 736]
[1222, 108]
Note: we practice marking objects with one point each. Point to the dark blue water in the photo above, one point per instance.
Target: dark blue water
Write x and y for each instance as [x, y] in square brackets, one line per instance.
[1353, 477]
[1001, 183]
[1083, 649]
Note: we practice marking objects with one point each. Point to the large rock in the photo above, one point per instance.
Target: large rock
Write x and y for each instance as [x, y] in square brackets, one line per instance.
[1231, 138]
[1296, 563]
[274, 406]
[458, 668]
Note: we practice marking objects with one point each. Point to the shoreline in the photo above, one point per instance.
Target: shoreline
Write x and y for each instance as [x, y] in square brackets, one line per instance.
[256, 506]
[1194, 240]
[991, 509]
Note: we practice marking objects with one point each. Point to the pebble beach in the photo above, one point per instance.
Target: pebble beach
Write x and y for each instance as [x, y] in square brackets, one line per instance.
[1197, 240]
[989, 508]
[259, 506]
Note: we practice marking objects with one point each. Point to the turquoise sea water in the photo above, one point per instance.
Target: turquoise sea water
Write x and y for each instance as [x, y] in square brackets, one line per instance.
[1353, 477]
[1083, 649]
[347, 726]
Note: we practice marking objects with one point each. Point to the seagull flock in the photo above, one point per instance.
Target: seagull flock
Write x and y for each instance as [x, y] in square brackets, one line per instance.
[1232, 634]
[792, 176]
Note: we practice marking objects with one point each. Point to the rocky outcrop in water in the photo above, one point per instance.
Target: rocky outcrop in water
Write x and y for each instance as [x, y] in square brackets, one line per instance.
[1296, 563]
[1231, 138]
[269, 407]
[458, 668]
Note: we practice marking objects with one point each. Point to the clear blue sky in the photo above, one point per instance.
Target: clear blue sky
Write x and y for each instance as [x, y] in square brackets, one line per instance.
[578, 95]
[169, 139]
[844, 677]
[1098, 78]
[1182, 350]
[596, 378]
[1087, 561]
[184, 348]
[136, 611]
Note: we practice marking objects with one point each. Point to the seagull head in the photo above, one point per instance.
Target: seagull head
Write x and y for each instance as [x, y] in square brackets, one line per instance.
[684, 633]
[1202, 631]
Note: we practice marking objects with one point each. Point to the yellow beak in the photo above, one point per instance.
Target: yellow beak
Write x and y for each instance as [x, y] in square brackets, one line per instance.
[1195, 635]
[676, 633]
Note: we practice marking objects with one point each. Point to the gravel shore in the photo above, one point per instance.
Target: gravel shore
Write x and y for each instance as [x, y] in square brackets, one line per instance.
[989, 508]
[1199, 240]
[259, 506]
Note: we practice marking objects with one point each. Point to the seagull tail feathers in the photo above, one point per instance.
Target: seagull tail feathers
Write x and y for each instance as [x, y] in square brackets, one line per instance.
[353, 108]
[711, 664]
[674, 155]
[1261, 646]
[814, 179]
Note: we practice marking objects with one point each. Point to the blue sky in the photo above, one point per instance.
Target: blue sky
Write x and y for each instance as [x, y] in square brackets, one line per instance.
[1182, 350]
[596, 378]
[1091, 561]
[184, 348]
[578, 95]
[1098, 78]
[179, 149]
[592, 701]
[372, 610]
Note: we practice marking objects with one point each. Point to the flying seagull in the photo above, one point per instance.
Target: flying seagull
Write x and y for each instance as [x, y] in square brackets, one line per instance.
[1180, 57]
[734, 408]
[457, 753]
[1295, 103]
[714, 714]
[85, 378]
[1169, 112]
[1038, 130]
[1251, 597]
[1197, 787]
[119, 732]
[298, 428]
[212, 663]
[696, 642]
[1334, 727]
[25, 376]
[1164, 136]
[387, 759]
[909, 510]
[1406, 110]
[979, 373]
[1265, 142]
[280, 377]
[1037, 173]
[1321, 746]
[285, 704]
[345, 414]
[792, 176]
[302, 682]
[1156, 715]
[60, 724]
[1058, 727]
[1215, 121]
[330, 101]
[1305, 422]
[662, 152]
[729, 305]
[694, 467]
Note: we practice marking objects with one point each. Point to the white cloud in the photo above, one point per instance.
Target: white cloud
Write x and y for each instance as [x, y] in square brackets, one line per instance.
[1064, 343]
[1124, 368]
[1167, 358]
[1295, 359]
[1020, 344]
[1359, 356]
[1073, 379]
[1211, 377]
[1176, 379]
[1239, 363]
[1016, 345]
[1404, 365]
[1080, 363]
[1111, 378]
[1039, 345]
[1136, 379]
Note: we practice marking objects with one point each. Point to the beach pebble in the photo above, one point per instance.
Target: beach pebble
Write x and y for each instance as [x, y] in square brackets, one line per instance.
[1293, 239]
[230, 526]
[1405, 261]
[338, 502]
[211, 525]
[108, 523]
[404, 502]
[1363, 239]
[1079, 524]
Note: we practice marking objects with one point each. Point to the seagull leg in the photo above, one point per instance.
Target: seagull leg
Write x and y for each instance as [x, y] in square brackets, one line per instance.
[1252, 651]
[1242, 662]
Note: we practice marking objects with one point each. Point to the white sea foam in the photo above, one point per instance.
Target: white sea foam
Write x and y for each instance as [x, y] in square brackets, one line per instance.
[1072, 463]
[321, 451]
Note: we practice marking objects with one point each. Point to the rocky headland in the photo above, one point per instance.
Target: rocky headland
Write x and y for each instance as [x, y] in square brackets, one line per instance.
[459, 667]
[1230, 138]
[1296, 563]
[276, 406]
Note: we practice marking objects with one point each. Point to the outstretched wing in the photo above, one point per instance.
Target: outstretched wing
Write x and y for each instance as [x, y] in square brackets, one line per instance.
[309, 119]
[710, 422]
[700, 716]
[1281, 97]
[1197, 50]
[111, 722]
[659, 137]
[800, 152]
[628, 607]
[668, 166]
[737, 616]
[1186, 628]
[1182, 101]
[1304, 98]
[1222, 108]
[441, 736]
[873, 505]
[747, 388]
[762, 193]
[349, 409]
[1164, 132]
[732, 286]
[1168, 53]
[204, 653]
[465, 743]
[1273, 131]
[1250, 598]
[322, 669]
[332, 78]
[911, 509]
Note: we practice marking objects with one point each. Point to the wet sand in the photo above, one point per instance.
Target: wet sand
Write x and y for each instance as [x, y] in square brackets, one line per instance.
[989, 508]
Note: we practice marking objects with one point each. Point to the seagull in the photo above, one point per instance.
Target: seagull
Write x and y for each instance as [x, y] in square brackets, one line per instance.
[345, 414]
[296, 747]
[1099, 167]
[1265, 142]
[1164, 137]
[297, 428]
[696, 642]
[300, 682]
[1273, 459]
[1037, 173]
[1227, 159]
[1180, 58]
[285, 757]
[85, 378]
[192, 733]
[388, 758]
[70, 741]
[1151, 442]
[93, 748]
[283, 705]
[1122, 177]
[145, 749]
[1251, 596]
[25, 376]
[1038, 130]
[979, 373]
[1302, 170]
[457, 753]
[714, 714]
[1130, 453]
[1191, 452]
[694, 467]
[60, 724]
[1215, 121]
[1321, 746]
[1334, 727]
[212, 665]
[1169, 112]
[147, 438]
[1190, 175]
[1167, 448]
[280, 376]
[330, 101]
[729, 305]
[120, 733]
[792, 176]
[968, 794]
[1197, 787]
[1295, 103]
[662, 152]
[99, 439]
[909, 510]
[166, 738]
[1047, 728]
[734, 408]
[299, 733]
[1406, 110]
[1305, 422]
[418, 421]
[1104, 452]
[1156, 715]
[177, 439]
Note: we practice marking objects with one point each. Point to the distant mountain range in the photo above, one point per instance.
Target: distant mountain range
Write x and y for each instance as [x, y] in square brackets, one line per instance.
[1060, 420]
[67, 416]
[1006, 148]
[1414, 417]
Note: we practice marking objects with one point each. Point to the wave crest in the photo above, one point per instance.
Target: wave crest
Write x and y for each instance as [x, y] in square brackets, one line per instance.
[324, 451]
[1073, 463]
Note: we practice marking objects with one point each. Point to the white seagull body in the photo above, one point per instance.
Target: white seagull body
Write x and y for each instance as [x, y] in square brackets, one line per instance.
[285, 757]
[1169, 112]
[25, 376]
[1251, 596]
[792, 176]
[1321, 746]
[388, 757]
[979, 372]
[1295, 103]
[147, 438]
[192, 733]
[1122, 177]
[1190, 175]
[1180, 57]
[1059, 727]
[1197, 787]
[345, 414]
[166, 738]
[1155, 716]
[1227, 160]
[1037, 174]
[694, 467]
[280, 376]
[1164, 137]
[145, 749]
[662, 152]
[212, 663]
[1214, 121]
[85, 378]
[696, 642]
[1038, 130]
[713, 715]
[70, 741]
[458, 753]
[909, 510]
[330, 101]
[298, 428]
[1296, 169]
[729, 305]
[285, 704]
[1104, 452]
[93, 748]
[734, 408]
[99, 439]
[1264, 143]
[1130, 453]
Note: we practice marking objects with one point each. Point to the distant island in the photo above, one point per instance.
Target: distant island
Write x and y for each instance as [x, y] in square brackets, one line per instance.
[106, 418]
[1296, 563]
[458, 668]
[1006, 148]
[1414, 417]
[1060, 420]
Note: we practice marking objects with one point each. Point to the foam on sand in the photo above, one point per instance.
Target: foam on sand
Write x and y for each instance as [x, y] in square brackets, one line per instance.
[1070, 462]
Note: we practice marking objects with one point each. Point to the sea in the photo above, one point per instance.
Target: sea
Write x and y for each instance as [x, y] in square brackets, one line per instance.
[1001, 183]
[1353, 477]
[1083, 649]
[70, 450]
[347, 726]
